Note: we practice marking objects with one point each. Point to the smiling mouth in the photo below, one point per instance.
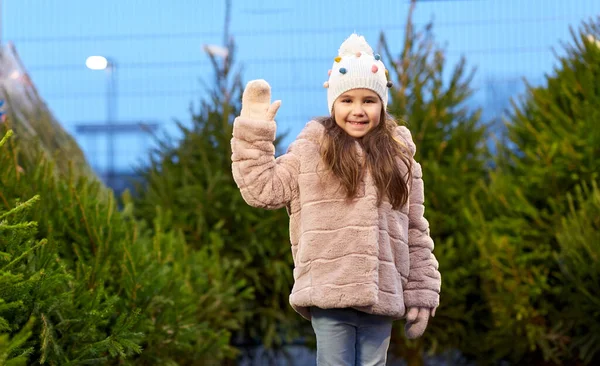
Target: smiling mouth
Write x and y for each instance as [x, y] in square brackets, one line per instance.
[357, 123]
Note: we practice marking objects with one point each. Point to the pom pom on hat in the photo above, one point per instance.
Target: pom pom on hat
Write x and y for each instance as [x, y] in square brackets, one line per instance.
[354, 44]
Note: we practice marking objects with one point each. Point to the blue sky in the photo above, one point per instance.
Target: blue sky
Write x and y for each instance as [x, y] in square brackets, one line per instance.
[157, 46]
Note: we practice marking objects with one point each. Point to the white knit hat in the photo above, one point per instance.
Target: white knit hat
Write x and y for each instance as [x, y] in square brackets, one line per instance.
[356, 67]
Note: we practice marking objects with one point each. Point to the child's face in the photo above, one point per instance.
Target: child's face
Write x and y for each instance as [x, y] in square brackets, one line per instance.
[357, 111]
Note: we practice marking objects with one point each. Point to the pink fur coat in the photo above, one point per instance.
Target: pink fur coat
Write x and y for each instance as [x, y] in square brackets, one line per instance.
[346, 253]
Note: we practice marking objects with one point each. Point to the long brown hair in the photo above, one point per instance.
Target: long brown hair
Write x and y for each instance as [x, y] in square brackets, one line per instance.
[381, 151]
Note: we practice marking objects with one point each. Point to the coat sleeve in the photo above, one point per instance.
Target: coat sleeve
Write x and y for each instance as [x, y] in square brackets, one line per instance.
[424, 279]
[263, 180]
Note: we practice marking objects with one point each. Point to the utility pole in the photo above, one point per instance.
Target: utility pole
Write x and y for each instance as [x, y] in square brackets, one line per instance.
[111, 127]
[111, 119]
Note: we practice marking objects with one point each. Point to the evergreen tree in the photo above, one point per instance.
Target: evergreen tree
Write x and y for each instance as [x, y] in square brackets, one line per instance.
[100, 286]
[554, 147]
[579, 261]
[32, 119]
[17, 244]
[451, 149]
[193, 178]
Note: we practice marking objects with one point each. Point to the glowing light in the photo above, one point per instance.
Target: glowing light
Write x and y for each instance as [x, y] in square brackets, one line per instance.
[96, 62]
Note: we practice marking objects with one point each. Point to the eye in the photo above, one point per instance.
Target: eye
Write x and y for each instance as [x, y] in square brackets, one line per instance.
[346, 100]
[369, 101]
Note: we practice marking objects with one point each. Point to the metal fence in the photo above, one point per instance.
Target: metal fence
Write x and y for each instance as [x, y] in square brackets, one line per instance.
[156, 48]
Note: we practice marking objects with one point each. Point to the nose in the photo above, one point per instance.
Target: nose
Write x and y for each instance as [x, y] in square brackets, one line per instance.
[358, 110]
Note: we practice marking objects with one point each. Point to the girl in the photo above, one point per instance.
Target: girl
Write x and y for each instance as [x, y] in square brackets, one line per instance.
[361, 246]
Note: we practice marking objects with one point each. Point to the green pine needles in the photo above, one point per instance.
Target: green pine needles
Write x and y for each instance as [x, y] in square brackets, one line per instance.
[193, 179]
[525, 218]
[85, 283]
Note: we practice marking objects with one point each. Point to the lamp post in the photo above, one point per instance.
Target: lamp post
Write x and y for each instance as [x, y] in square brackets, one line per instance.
[103, 63]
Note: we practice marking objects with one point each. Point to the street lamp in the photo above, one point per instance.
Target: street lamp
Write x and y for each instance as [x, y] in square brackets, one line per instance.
[103, 63]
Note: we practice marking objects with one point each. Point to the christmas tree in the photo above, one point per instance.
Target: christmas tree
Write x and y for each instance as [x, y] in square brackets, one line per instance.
[193, 179]
[541, 313]
[83, 282]
[32, 120]
[450, 140]
[578, 258]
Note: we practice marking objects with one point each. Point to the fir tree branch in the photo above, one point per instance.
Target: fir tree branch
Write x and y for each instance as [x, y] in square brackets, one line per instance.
[85, 220]
[21, 206]
[25, 253]
[8, 134]
[22, 225]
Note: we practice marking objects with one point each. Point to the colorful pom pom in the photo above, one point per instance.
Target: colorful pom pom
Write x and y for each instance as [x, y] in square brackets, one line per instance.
[387, 73]
[338, 59]
[374, 69]
[343, 70]
[358, 54]
[377, 57]
[329, 73]
[326, 85]
[389, 84]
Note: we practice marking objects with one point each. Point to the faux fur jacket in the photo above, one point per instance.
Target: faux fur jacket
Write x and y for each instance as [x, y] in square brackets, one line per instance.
[346, 253]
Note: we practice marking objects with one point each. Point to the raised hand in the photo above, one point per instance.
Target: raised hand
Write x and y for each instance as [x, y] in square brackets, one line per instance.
[256, 101]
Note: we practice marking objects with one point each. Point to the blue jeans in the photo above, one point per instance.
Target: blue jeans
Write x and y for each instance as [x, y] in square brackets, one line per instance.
[348, 337]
